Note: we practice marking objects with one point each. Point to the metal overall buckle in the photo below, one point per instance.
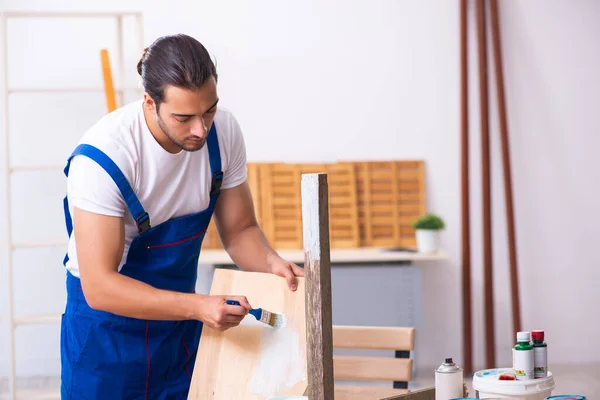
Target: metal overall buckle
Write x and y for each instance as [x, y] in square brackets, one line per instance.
[215, 186]
[143, 223]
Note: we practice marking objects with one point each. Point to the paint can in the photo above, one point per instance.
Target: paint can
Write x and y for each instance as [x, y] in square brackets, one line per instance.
[487, 385]
[448, 381]
[566, 397]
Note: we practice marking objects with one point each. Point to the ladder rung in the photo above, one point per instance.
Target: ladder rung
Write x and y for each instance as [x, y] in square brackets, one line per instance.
[38, 394]
[17, 168]
[75, 14]
[67, 90]
[37, 319]
[29, 245]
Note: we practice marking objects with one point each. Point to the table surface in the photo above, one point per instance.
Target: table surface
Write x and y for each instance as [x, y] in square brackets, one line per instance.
[357, 255]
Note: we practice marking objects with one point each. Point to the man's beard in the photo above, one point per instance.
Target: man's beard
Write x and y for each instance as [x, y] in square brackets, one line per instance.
[183, 146]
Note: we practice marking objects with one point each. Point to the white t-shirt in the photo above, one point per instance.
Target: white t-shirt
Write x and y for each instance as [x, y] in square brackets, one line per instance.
[167, 185]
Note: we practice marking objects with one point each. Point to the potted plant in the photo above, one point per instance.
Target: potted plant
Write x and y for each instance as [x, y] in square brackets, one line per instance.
[427, 231]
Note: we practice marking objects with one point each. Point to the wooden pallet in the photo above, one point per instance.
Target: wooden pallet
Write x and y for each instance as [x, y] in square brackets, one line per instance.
[391, 196]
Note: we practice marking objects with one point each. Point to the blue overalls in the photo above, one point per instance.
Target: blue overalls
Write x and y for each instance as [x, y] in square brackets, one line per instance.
[108, 357]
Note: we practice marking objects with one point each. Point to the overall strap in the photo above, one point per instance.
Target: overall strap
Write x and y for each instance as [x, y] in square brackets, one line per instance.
[133, 204]
[214, 155]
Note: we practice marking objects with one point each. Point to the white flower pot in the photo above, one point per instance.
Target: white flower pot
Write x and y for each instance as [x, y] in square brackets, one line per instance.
[428, 240]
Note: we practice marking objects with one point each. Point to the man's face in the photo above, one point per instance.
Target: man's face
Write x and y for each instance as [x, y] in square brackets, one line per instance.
[186, 116]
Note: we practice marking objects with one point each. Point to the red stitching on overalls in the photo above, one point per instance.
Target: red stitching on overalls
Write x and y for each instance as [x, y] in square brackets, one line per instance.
[148, 352]
[176, 243]
[189, 356]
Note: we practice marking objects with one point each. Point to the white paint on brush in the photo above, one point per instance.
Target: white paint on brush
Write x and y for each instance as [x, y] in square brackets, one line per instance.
[281, 363]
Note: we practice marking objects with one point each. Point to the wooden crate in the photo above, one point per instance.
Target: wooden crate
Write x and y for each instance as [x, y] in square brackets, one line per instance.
[282, 204]
[391, 196]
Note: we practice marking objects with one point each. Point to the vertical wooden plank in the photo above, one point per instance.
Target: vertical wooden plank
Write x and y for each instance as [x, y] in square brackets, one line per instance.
[109, 89]
[366, 169]
[467, 326]
[319, 335]
[395, 199]
[488, 275]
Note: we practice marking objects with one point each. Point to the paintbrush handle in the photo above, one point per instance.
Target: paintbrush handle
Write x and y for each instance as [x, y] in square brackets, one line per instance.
[257, 312]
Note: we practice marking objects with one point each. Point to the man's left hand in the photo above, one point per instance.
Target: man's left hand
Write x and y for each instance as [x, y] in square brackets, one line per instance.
[288, 270]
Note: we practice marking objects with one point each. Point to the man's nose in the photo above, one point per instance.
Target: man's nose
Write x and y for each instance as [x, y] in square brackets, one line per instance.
[199, 129]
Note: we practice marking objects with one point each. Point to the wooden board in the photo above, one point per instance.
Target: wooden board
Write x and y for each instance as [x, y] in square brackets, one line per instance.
[247, 359]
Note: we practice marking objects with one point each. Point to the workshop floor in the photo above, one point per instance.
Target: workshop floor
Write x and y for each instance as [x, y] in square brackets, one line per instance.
[569, 379]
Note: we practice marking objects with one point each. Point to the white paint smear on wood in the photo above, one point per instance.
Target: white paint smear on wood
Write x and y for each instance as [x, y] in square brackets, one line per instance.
[281, 361]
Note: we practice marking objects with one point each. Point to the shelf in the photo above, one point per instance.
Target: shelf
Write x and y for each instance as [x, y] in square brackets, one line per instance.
[76, 14]
[338, 256]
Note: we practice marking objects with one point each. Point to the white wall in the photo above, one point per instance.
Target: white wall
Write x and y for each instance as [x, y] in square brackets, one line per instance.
[354, 80]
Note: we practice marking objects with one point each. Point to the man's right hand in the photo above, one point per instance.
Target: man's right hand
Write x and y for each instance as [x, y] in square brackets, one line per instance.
[216, 313]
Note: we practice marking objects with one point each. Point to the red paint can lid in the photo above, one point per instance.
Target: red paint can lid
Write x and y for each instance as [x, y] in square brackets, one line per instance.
[537, 335]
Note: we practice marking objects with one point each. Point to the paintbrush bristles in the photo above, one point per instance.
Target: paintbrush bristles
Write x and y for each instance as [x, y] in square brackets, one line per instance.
[272, 319]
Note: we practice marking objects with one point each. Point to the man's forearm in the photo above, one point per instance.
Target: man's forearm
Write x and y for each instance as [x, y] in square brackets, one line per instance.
[250, 250]
[125, 296]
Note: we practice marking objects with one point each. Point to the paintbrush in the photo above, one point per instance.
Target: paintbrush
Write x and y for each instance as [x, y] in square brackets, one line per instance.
[272, 319]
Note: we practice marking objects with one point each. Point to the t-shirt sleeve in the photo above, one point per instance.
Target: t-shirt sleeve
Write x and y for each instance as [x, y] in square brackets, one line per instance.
[236, 172]
[90, 187]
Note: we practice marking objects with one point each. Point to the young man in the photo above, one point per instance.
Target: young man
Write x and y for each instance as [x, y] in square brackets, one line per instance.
[142, 186]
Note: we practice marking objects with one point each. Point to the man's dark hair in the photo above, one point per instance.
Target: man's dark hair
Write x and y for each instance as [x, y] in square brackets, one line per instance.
[175, 60]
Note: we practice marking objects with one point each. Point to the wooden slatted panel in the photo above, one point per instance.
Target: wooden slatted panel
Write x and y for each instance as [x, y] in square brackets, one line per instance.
[372, 368]
[281, 205]
[391, 196]
[412, 201]
[343, 206]
[282, 214]
[373, 337]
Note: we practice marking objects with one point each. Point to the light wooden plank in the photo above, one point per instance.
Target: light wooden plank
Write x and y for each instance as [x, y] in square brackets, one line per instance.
[373, 368]
[422, 394]
[109, 89]
[373, 337]
[315, 221]
[343, 392]
[238, 363]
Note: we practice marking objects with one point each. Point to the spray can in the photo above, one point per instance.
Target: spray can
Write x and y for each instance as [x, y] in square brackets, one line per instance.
[540, 354]
[523, 357]
[448, 381]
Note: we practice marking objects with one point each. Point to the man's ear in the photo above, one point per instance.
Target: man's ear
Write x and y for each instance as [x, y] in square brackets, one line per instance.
[149, 101]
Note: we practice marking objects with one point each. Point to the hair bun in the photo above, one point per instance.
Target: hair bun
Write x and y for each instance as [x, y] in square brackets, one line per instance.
[139, 66]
